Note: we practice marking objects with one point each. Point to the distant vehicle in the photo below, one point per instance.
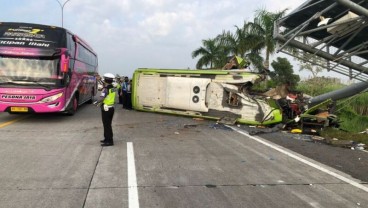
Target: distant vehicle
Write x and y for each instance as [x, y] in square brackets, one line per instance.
[44, 69]
[212, 94]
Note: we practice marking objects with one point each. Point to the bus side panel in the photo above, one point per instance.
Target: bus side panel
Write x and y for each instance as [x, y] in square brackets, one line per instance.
[87, 81]
[83, 69]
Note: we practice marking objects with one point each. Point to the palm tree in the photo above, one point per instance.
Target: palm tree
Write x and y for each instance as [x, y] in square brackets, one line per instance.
[212, 54]
[228, 40]
[241, 43]
[262, 32]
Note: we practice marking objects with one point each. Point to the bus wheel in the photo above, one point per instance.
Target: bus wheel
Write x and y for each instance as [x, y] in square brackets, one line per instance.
[73, 105]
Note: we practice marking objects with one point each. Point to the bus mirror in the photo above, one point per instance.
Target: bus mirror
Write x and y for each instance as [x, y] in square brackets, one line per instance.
[64, 63]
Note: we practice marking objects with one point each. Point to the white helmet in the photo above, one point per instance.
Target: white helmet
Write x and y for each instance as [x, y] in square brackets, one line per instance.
[109, 76]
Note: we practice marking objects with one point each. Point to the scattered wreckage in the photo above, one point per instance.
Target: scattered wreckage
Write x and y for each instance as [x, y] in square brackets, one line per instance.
[330, 35]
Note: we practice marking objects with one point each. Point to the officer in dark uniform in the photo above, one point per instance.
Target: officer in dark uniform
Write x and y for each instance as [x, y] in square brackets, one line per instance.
[106, 103]
[124, 88]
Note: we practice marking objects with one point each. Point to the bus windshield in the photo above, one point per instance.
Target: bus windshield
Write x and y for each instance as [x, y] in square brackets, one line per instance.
[33, 72]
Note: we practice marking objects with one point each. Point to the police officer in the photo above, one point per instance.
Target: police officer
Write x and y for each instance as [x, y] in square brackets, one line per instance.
[106, 103]
[118, 87]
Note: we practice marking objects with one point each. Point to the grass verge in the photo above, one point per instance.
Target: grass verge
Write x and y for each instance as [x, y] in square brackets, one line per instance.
[331, 133]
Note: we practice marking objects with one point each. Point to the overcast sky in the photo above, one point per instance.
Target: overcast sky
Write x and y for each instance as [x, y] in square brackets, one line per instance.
[131, 34]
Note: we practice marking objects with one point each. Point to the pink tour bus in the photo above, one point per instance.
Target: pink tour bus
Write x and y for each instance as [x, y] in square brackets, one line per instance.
[44, 69]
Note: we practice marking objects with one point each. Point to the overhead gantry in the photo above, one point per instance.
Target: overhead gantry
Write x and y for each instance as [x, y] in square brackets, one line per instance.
[334, 30]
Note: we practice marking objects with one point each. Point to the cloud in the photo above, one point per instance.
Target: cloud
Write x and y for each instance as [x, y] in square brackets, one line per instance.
[159, 24]
[129, 34]
[278, 5]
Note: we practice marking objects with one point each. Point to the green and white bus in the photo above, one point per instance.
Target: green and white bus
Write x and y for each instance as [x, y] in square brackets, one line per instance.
[211, 94]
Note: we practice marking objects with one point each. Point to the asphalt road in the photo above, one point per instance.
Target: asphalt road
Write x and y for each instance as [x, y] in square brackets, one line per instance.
[53, 160]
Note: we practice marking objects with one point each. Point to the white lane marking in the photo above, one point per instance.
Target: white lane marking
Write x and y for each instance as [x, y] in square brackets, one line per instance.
[347, 180]
[132, 178]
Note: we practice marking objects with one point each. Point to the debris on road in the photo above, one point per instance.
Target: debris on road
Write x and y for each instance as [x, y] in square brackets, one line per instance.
[359, 146]
[187, 126]
[318, 138]
[364, 132]
[220, 126]
[227, 120]
[296, 131]
[304, 137]
[263, 130]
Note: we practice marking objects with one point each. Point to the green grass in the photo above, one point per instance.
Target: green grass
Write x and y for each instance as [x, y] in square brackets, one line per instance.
[357, 104]
[331, 133]
[352, 112]
[351, 121]
[314, 87]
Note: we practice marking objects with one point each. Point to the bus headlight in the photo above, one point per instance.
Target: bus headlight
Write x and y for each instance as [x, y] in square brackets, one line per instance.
[51, 98]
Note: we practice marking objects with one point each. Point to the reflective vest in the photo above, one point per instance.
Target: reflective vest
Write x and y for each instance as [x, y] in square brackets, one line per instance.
[118, 85]
[110, 97]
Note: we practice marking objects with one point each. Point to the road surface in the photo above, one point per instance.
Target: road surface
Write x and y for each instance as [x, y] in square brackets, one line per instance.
[53, 160]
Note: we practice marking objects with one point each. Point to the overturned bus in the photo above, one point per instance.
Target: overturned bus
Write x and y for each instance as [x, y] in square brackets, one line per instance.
[211, 94]
[226, 95]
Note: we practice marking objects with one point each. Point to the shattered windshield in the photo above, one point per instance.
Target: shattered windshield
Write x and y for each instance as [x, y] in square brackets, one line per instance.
[29, 71]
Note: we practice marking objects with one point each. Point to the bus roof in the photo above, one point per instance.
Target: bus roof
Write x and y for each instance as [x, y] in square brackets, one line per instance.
[31, 25]
[55, 33]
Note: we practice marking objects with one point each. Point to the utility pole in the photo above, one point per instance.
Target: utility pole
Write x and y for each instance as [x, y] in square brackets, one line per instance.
[62, 11]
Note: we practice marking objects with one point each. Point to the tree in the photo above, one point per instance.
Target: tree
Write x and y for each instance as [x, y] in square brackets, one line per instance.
[313, 64]
[240, 43]
[212, 54]
[247, 42]
[262, 32]
[283, 72]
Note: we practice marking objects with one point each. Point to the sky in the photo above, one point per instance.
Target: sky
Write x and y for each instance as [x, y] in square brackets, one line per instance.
[131, 34]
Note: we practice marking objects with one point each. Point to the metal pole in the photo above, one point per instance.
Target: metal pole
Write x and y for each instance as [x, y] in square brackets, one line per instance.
[322, 54]
[354, 7]
[62, 11]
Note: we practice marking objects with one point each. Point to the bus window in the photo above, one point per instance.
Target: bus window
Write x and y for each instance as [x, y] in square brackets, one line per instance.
[71, 45]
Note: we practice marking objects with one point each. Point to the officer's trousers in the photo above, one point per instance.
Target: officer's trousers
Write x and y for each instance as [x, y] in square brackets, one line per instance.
[106, 121]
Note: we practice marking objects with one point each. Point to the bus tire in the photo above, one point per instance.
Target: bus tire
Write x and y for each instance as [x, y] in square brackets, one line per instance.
[72, 107]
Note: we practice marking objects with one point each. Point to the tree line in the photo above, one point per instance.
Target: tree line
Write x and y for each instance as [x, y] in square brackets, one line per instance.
[248, 41]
